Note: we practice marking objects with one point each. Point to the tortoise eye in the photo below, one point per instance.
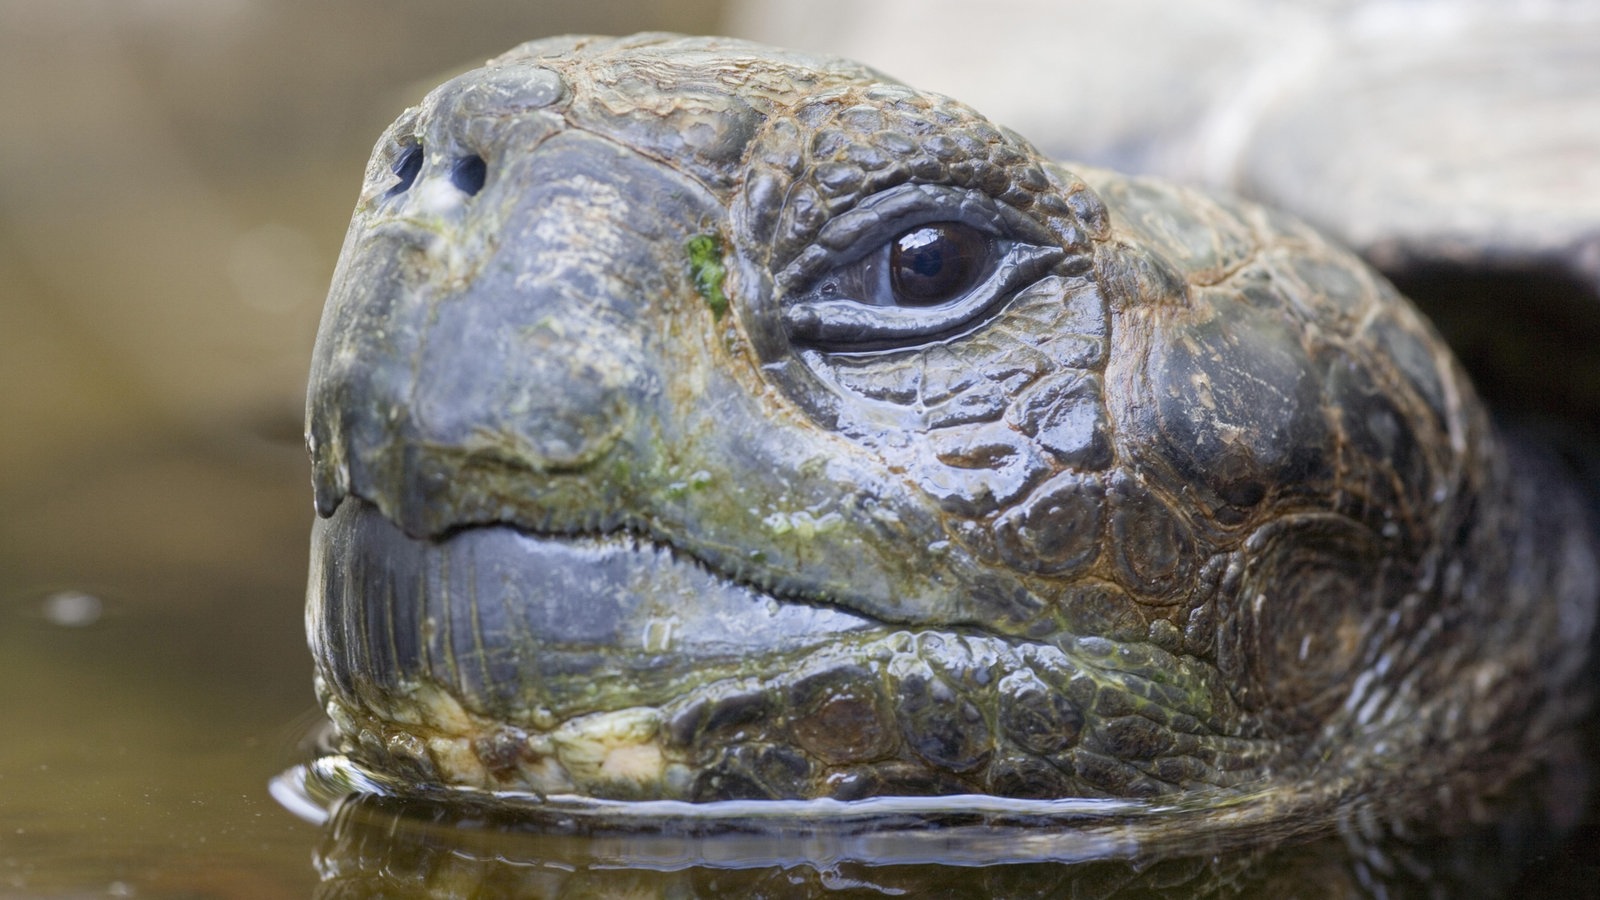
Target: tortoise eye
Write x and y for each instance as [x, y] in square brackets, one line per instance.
[913, 264]
[936, 263]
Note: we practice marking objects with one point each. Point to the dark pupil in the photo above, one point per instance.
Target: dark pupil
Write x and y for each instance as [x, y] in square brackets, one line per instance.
[935, 263]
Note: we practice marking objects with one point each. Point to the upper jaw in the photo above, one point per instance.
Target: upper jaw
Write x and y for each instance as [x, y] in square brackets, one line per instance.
[511, 622]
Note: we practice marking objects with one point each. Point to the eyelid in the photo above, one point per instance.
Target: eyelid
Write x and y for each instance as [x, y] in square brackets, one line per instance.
[850, 324]
[1021, 249]
[861, 230]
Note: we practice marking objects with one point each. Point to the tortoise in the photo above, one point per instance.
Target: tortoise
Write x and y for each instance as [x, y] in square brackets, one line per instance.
[698, 420]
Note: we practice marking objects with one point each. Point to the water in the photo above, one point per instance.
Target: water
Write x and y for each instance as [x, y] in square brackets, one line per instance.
[148, 700]
[378, 841]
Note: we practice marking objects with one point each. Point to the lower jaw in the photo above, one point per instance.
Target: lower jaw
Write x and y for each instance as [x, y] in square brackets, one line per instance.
[631, 674]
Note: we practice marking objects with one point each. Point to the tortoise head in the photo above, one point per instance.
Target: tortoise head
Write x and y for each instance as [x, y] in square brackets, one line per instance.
[693, 418]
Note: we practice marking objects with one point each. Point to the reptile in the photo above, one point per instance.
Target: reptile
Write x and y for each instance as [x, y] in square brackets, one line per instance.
[698, 420]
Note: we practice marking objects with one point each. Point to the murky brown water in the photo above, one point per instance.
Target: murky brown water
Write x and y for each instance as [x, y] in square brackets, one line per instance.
[174, 180]
[138, 741]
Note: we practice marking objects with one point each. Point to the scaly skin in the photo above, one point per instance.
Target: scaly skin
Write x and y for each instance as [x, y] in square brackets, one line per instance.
[635, 486]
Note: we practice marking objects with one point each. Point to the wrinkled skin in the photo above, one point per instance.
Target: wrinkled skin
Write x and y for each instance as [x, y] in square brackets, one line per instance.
[639, 477]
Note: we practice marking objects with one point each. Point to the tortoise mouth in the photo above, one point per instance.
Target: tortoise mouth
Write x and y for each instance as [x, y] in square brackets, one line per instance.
[516, 623]
[612, 668]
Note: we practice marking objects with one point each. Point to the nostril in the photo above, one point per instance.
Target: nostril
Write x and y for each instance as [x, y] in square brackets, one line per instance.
[468, 174]
[406, 168]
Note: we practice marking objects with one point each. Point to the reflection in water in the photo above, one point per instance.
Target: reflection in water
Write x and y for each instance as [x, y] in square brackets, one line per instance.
[377, 842]
[384, 845]
[72, 609]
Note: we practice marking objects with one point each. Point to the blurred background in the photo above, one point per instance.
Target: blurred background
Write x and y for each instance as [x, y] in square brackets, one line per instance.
[175, 179]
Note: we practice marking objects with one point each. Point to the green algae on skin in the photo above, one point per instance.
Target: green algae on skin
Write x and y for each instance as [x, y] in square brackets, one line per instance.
[705, 265]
